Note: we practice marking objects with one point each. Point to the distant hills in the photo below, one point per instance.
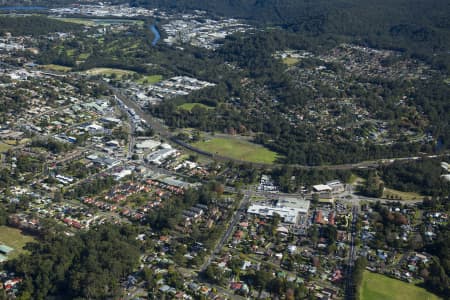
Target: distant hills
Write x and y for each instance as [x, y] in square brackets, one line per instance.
[420, 27]
[420, 20]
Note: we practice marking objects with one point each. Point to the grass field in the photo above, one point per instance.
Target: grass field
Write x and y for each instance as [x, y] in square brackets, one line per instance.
[190, 106]
[117, 21]
[4, 147]
[377, 286]
[81, 21]
[58, 68]
[92, 22]
[151, 79]
[14, 142]
[14, 238]
[83, 56]
[290, 61]
[237, 149]
[394, 194]
[108, 72]
[355, 179]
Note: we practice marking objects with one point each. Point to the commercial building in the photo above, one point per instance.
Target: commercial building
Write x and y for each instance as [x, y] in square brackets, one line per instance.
[148, 144]
[159, 156]
[288, 208]
[333, 187]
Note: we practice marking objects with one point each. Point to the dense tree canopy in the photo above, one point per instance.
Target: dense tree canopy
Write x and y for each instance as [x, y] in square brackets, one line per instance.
[88, 265]
[34, 25]
[422, 176]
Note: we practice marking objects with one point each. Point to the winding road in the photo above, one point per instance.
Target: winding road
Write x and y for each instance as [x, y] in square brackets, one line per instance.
[165, 133]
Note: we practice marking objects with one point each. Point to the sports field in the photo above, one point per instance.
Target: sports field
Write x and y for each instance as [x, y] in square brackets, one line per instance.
[395, 194]
[4, 147]
[190, 106]
[290, 61]
[376, 286]
[150, 79]
[108, 72]
[93, 22]
[14, 238]
[58, 68]
[237, 149]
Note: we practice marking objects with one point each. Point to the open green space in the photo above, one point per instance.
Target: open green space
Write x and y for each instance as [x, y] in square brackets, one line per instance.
[58, 68]
[117, 21]
[109, 72]
[237, 149]
[190, 106]
[399, 195]
[70, 52]
[4, 147]
[93, 22]
[14, 238]
[150, 79]
[14, 142]
[82, 21]
[355, 179]
[376, 286]
[83, 56]
[290, 61]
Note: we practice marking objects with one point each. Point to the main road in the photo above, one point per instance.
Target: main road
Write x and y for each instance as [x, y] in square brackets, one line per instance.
[226, 235]
[349, 288]
[165, 133]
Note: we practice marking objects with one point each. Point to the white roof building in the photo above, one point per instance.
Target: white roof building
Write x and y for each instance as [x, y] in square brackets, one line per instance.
[287, 208]
[158, 156]
[148, 144]
[446, 177]
[122, 174]
[321, 188]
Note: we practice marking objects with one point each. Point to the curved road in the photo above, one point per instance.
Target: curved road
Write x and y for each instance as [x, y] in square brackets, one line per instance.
[165, 133]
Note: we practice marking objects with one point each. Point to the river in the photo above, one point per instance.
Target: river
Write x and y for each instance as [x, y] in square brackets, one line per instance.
[155, 33]
[22, 8]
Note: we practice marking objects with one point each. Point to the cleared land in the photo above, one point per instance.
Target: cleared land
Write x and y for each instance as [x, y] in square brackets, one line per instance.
[52, 67]
[108, 72]
[290, 61]
[81, 21]
[14, 238]
[377, 286]
[117, 21]
[93, 22]
[151, 79]
[237, 149]
[399, 195]
[4, 147]
[190, 106]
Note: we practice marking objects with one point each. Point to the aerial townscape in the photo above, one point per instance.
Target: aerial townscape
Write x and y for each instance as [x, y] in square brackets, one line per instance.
[224, 149]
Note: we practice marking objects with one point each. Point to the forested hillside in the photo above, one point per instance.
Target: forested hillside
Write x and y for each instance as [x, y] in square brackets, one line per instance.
[400, 20]
[34, 25]
[420, 28]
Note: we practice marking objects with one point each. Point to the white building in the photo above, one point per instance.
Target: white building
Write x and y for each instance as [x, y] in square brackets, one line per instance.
[118, 176]
[148, 144]
[321, 188]
[336, 186]
[159, 156]
[288, 209]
